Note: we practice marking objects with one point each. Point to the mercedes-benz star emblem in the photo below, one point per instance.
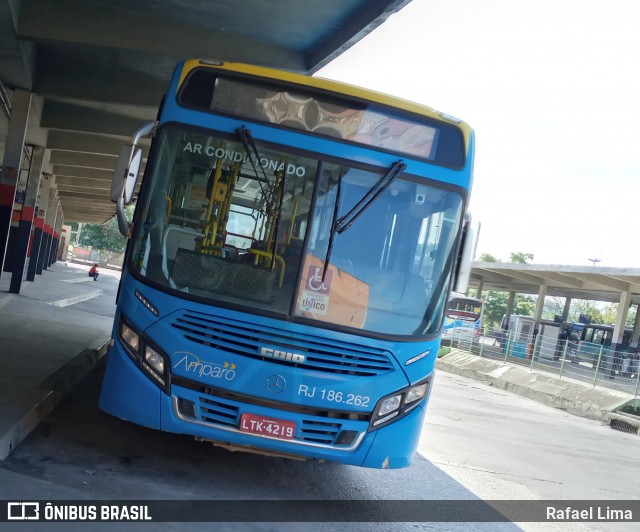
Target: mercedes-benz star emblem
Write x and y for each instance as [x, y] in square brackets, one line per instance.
[276, 384]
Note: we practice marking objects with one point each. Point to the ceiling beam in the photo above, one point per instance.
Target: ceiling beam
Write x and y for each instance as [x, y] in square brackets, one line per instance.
[90, 197]
[87, 160]
[18, 57]
[603, 280]
[563, 279]
[89, 143]
[527, 277]
[64, 187]
[62, 115]
[75, 21]
[63, 79]
[84, 173]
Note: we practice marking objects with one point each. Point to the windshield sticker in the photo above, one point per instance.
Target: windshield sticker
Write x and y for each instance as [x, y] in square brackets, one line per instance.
[341, 298]
[190, 363]
[315, 296]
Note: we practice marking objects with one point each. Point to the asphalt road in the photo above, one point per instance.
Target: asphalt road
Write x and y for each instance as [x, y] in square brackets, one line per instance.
[477, 442]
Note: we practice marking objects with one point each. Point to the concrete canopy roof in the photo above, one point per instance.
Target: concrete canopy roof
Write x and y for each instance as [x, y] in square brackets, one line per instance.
[98, 68]
[576, 282]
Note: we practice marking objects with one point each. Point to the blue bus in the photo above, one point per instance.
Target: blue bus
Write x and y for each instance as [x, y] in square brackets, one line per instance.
[463, 318]
[288, 265]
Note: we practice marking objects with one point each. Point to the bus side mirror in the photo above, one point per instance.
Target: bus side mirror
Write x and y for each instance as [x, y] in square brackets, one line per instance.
[126, 174]
[470, 233]
[125, 177]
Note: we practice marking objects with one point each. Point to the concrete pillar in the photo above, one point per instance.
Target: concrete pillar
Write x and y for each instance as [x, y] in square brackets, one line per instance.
[56, 235]
[65, 240]
[12, 165]
[635, 335]
[49, 223]
[509, 311]
[37, 247]
[565, 311]
[52, 241]
[26, 219]
[542, 293]
[621, 318]
[480, 288]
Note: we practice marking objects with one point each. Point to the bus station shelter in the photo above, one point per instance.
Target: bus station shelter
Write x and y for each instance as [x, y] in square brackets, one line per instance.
[613, 285]
[78, 77]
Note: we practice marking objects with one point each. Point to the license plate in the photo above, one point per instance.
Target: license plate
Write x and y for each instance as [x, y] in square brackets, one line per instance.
[268, 426]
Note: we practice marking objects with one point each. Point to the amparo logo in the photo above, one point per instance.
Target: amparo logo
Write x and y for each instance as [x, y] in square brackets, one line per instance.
[192, 364]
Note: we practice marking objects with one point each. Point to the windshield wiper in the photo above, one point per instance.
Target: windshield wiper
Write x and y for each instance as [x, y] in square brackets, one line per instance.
[344, 222]
[332, 234]
[340, 225]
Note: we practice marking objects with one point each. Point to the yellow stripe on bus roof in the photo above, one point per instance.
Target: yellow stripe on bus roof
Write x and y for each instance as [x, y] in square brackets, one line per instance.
[328, 85]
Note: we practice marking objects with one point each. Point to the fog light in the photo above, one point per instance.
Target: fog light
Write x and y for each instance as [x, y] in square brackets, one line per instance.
[346, 437]
[187, 408]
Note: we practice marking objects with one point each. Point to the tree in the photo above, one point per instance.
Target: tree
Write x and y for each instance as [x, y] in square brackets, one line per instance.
[519, 257]
[487, 257]
[105, 237]
[495, 306]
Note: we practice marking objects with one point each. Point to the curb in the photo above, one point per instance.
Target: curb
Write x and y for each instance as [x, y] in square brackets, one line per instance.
[51, 391]
[565, 394]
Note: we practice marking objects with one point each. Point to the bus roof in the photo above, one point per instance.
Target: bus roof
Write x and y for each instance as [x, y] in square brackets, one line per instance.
[459, 295]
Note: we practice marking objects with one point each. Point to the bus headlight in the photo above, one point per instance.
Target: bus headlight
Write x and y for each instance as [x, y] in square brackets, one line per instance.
[387, 409]
[416, 393]
[145, 355]
[129, 337]
[389, 405]
[154, 359]
[395, 406]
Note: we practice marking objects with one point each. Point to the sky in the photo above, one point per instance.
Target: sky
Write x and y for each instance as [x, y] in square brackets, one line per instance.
[552, 91]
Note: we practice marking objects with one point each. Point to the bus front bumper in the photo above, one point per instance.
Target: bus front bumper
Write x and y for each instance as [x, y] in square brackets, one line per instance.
[129, 394]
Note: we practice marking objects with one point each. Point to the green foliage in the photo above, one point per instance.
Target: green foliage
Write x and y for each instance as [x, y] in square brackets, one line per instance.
[444, 350]
[487, 257]
[599, 312]
[495, 307]
[519, 257]
[105, 237]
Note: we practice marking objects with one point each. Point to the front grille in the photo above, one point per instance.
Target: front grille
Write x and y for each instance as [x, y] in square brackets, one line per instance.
[623, 426]
[232, 336]
[212, 410]
[319, 432]
[224, 413]
[226, 397]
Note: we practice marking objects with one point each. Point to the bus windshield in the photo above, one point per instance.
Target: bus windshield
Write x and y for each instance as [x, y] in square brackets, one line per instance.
[251, 230]
[464, 307]
[463, 317]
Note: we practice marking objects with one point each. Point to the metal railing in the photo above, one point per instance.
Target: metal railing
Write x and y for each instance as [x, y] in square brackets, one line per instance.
[587, 362]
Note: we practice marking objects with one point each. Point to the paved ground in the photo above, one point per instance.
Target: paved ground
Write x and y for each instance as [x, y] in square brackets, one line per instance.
[478, 441]
[46, 341]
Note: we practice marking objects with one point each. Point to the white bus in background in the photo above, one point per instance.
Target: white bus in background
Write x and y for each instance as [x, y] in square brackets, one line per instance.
[463, 318]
